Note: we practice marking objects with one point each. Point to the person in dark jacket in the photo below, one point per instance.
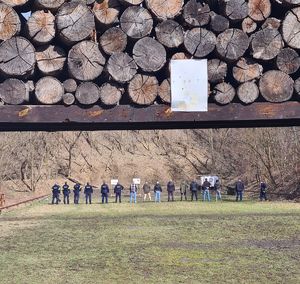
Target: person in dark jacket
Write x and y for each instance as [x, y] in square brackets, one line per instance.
[157, 191]
[55, 194]
[118, 191]
[183, 190]
[146, 190]
[194, 190]
[239, 189]
[76, 192]
[66, 192]
[88, 190]
[263, 191]
[218, 189]
[205, 187]
[104, 192]
[170, 190]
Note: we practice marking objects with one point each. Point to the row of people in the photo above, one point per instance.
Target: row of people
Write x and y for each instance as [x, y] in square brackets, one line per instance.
[185, 187]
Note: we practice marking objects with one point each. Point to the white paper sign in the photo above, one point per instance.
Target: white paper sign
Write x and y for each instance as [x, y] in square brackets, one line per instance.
[114, 181]
[189, 88]
[136, 181]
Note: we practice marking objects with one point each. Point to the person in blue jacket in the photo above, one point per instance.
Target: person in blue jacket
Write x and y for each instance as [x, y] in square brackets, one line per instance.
[118, 191]
[55, 193]
[76, 192]
[88, 190]
[104, 192]
[66, 192]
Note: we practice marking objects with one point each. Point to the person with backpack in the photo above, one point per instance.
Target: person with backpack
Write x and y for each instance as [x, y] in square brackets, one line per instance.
[239, 188]
[104, 192]
[118, 192]
[157, 191]
[76, 192]
[133, 192]
[205, 187]
[194, 190]
[263, 191]
[218, 188]
[55, 193]
[66, 192]
[88, 190]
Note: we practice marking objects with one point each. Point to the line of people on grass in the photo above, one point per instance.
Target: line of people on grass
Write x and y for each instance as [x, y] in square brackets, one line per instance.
[194, 188]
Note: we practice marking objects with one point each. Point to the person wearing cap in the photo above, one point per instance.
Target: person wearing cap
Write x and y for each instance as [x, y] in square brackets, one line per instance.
[104, 192]
[170, 189]
[205, 187]
[66, 192]
[239, 188]
[88, 190]
[118, 192]
[76, 192]
[55, 193]
[146, 190]
[218, 188]
[263, 191]
[157, 191]
[194, 190]
[133, 192]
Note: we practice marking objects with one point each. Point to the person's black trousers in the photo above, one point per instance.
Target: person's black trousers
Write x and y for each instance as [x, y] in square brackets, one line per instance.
[88, 198]
[170, 195]
[194, 193]
[66, 199]
[76, 198]
[55, 199]
[105, 197]
[118, 195]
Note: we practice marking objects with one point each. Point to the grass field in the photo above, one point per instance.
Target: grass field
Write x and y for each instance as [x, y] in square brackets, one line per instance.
[181, 242]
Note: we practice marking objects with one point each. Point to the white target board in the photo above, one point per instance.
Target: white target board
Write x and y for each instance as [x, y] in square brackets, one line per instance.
[189, 87]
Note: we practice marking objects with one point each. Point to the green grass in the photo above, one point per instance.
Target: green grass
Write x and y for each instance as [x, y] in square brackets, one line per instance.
[182, 242]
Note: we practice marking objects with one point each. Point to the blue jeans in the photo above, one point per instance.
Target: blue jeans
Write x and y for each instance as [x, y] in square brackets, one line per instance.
[218, 195]
[133, 196]
[105, 197]
[157, 196]
[239, 194]
[76, 198]
[206, 195]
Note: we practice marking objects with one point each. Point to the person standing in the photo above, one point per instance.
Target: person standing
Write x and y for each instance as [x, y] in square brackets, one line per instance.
[170, 189]
[88, 190]
[263, 191]
[55, 193]
[194, 190]
[133, 192]
[205, 187]
[118, 191]
[66, 192]
[76, 192]
[218, 189]
[104, 192]
[157, 191]
[183, 190]
[239, 188]
[147, 189]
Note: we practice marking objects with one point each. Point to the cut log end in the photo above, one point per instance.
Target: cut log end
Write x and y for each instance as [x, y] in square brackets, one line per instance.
[87, 93]
[224, 93]
[248, 92]
[49, 90]
[111, 94]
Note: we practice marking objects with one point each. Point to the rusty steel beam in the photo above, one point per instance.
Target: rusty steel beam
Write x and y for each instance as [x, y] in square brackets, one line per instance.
[59, 117]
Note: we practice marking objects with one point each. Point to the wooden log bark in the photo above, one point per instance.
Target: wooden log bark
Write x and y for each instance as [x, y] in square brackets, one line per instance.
[248, 25]
[232, 44]
[246, 70]
[199, 42]
[41, 27]
[165, 9]
[143, 89]
[224, 93]
[13, 91]
[291, 28]
[10, 24]
[74, 22]
[113, 40]
[235, 10]
[131, 2]
[50, 59]
[121, 67]
[196, 14]
[106, 12]
[51, 5]
[259, 10]
[15, 3]
[17, 57]
[291, 3]
[217, 70]
[85, 61]
[164, 91]
[288, 61]
[136, 22]
[49, 90]
[70, 85]
[68, 99]
[266, 44]
[149, 54]
[218, 23]
[169, 33]
[271, 23]
[30, 87]
[276, 86]
[248, 92]
[110, 94]
[87, 93]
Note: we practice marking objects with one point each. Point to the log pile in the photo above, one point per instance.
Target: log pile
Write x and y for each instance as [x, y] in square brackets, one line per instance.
[113, 52]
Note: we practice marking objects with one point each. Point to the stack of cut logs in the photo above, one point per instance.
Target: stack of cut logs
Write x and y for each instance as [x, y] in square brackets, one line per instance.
[110, 52]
